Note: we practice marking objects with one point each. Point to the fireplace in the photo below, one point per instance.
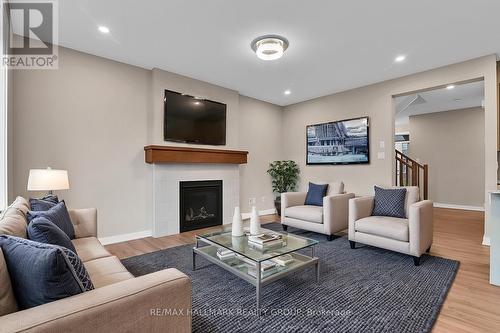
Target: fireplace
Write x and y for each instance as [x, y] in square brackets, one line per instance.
[200, 204]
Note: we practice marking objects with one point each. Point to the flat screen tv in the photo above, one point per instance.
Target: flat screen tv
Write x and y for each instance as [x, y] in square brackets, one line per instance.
[338, 142]
[193, 120]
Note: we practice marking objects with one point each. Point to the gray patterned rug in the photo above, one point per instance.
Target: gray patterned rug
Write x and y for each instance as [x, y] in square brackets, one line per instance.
[361, 290]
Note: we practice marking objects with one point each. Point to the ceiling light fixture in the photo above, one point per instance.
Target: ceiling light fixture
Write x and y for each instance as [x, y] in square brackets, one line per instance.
[451, 86]
[287, 92]
[269, 47]
[400, 58]
[103, 29]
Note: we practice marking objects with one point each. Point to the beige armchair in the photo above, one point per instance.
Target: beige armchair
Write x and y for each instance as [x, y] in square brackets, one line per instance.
[411, 235]
[327, 220]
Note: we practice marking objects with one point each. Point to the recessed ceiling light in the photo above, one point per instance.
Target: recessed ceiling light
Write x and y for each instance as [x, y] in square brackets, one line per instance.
[197, 103]
[451, 86]
[400, 58]
[103, 29]
[269, 47]
[287, 92]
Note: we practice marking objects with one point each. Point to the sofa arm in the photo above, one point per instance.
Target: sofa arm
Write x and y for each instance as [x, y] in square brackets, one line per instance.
[84, 221]
[156, 302]
[421, 220]
[336, 212]
[359, 208]
[290, 199]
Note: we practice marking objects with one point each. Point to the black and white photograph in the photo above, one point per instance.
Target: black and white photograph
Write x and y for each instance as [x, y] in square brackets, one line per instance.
[338, 142]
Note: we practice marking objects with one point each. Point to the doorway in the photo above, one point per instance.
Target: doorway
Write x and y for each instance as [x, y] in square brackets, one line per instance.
[442, 130]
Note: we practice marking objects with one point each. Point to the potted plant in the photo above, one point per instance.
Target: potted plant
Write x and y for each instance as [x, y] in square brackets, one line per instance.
[284, 175]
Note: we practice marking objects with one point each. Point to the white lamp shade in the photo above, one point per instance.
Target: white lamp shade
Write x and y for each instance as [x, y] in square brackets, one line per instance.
[48, 180]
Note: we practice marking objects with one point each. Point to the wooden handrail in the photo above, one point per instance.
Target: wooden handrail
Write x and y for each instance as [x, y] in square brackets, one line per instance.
[406, 166]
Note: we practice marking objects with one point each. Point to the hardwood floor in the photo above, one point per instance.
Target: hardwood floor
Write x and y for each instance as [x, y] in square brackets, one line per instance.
[472, 304]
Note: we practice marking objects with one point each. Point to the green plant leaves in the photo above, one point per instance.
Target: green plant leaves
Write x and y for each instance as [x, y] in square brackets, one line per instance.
[284, 175]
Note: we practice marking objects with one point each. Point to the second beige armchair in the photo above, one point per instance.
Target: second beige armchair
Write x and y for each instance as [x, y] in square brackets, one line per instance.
[328, 219]
[410, 235]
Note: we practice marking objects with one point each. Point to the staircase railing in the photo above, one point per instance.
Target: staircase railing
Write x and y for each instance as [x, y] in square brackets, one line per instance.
[411, 173]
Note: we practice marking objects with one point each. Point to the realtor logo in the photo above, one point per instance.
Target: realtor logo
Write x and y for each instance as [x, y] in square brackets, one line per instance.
[29, 34]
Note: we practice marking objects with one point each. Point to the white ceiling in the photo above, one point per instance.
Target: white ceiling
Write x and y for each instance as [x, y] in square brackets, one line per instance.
[334, 45]
[461, 97]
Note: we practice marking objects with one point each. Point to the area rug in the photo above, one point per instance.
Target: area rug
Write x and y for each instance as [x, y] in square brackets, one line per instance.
[362, 290]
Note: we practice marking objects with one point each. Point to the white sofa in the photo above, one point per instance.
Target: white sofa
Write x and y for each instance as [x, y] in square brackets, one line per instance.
[411, 235]
[327, 220]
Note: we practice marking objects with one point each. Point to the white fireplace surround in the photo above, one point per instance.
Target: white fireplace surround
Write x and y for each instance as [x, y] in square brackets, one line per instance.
[166, 178]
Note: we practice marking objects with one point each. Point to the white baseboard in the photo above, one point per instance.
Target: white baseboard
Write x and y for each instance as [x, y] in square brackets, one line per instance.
[124, 237]
[486, 241]
[261, 212]
[147, 233]
[463, 207]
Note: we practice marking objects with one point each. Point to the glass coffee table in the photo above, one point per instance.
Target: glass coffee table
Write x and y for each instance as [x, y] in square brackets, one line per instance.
[250, 262]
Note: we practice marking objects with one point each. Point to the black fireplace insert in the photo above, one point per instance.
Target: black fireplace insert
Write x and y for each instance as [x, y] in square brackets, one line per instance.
[200, 204]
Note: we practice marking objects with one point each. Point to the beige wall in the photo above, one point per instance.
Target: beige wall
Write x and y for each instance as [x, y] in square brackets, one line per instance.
[260, 133]
[403, 128]
[93, 116]
[376, 101]
[88, 117]
[452, 144]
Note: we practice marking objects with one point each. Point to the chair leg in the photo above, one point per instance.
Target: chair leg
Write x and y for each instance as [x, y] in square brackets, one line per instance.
[428, 250]
[416, 261]
[285, 227]
[353, 244]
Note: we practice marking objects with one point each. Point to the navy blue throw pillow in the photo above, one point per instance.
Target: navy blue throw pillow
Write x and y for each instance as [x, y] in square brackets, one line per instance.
[42, 230]
[389, 202]
[42, 273]
[44, 203]
[315, 194]
[58, 215]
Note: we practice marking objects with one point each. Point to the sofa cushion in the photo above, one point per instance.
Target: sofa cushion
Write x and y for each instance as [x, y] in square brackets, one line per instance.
[13, 219]
[44, 203]
[42, 273]
[105, 271]
[315, 194]
[8, 302]
[89, 248]
[305, 213]
[42, 230]
[384, 226]
[389, 202]
[59, 216]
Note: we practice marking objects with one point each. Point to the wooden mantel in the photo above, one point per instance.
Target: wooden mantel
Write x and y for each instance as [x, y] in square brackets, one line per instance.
[170, 154]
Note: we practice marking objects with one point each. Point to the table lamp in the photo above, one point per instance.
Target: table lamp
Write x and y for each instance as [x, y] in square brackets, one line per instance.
[48, 180]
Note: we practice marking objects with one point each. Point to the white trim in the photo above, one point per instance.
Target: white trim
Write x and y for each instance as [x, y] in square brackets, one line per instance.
[261, 213]
[486, 240]
[124, 237]
[463, 207]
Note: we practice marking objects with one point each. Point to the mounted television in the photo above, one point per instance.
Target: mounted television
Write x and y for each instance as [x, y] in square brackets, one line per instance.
[338, 142]
[193, 120]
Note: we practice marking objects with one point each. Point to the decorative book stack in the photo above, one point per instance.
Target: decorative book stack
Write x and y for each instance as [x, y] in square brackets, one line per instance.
[283, 260]
[265, 240]
[225, 254]
[267, 266]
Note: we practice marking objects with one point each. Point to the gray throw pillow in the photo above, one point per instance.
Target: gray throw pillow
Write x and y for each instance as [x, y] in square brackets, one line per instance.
[389, 202]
